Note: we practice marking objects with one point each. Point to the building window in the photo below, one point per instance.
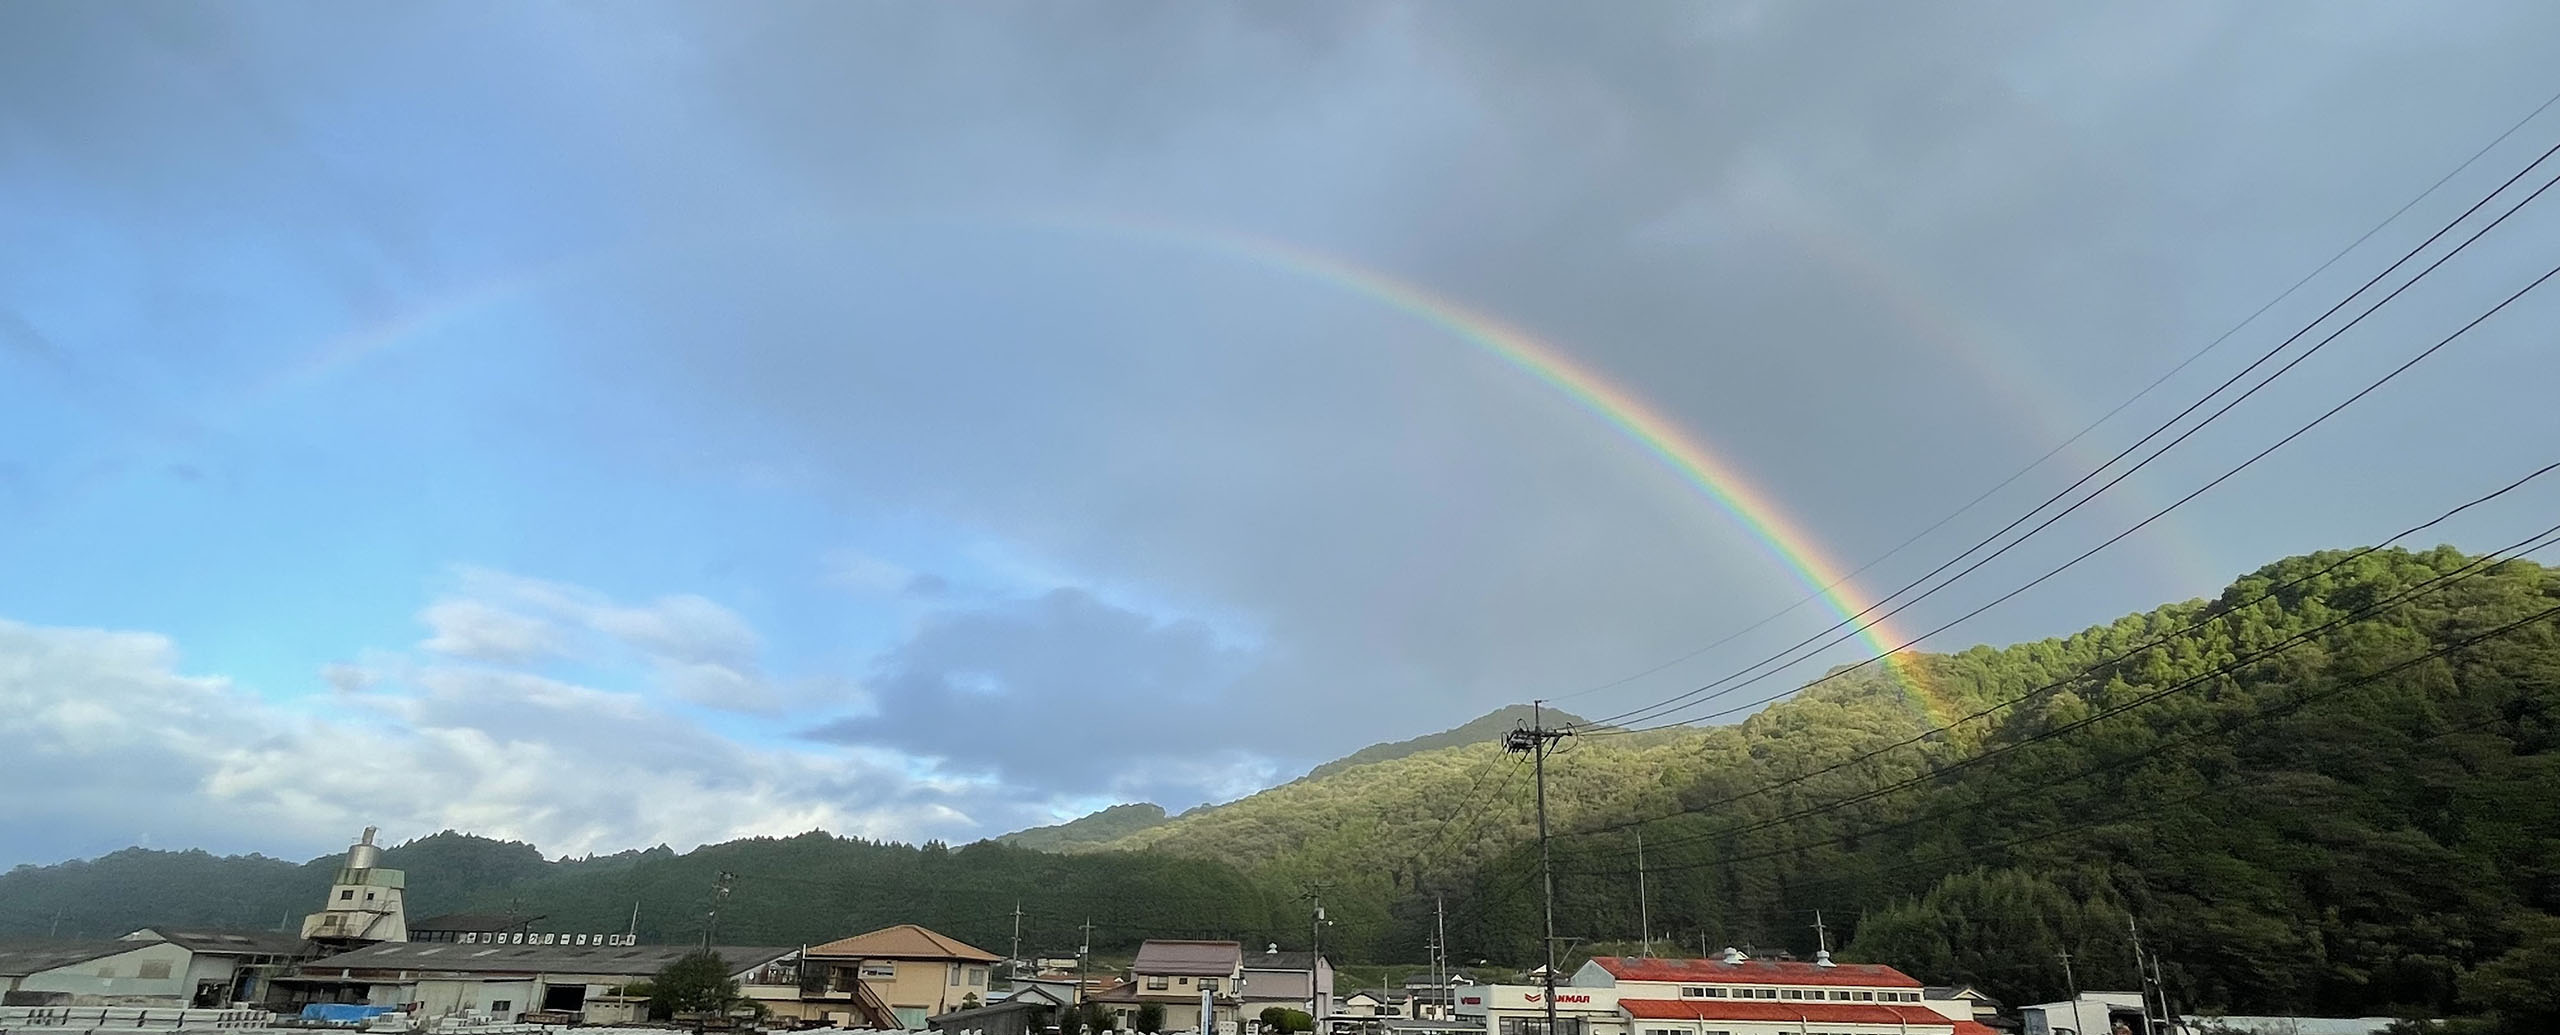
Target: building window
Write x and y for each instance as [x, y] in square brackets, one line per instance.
[1538, 1026]
[1791, 994]
[1693, 992]
[153, 969]
[1183, 981]
[1157, 983]
[881, 969]
[1866, 997]
[501, 1005]
[1768, 993]
[952, 972]
[978, 976]
[1210, 984]
[347, 895]
[368, 896]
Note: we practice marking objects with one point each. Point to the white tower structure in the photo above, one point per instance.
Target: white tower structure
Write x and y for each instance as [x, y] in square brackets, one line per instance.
[364, 900]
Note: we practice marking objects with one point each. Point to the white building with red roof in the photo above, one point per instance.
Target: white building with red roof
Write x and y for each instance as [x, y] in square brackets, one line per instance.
[1731, 995]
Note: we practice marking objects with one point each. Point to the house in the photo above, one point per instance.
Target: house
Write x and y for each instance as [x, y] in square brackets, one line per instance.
[1297, 980]
[919, 973]
[1024, 1011]
[227, 967]
[1371, 1002]
[434, 980]
[1735, 994]
[1985, 1008]
[1172, 974]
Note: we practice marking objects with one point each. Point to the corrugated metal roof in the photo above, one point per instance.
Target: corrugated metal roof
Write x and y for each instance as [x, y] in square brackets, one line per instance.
[454, 957]
[1764, 1010]
[19, 959]
[233, 943]
[475, 922]
[1754, 972]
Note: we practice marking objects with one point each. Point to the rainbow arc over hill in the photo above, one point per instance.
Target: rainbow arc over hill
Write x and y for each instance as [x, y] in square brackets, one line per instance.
[1657, 435]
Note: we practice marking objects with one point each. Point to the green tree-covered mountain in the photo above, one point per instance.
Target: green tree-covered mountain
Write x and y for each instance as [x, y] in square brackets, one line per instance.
[1483, 729]
[1109, 824]
[2334, 789]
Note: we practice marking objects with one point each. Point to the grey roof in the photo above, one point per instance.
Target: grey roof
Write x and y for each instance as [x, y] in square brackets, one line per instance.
[1955, 991]
[962, 1018]
[230, 943]
[21, 958]
[1199, 959]
[479, 922]
[1297, 961]
[453, 957]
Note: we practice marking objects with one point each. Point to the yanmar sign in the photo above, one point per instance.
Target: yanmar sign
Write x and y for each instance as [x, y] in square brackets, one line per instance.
[1561, 997]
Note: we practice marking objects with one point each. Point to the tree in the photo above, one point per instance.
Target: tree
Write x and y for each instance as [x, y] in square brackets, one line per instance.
[697, 983]
[969, 1002]
[1071, 1021]
[2516, 988]
[1283, 1019]
[1150, 1018]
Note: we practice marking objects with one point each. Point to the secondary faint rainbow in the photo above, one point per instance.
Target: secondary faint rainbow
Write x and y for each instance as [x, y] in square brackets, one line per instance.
[1673, 445]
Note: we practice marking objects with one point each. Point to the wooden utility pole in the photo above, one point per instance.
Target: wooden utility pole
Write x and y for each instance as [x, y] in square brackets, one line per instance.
[1536, 741]
[1644, 904]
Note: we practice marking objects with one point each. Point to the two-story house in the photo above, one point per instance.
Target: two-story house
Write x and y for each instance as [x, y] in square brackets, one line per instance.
[1297, 980]
[1172, 974]
[919, 973]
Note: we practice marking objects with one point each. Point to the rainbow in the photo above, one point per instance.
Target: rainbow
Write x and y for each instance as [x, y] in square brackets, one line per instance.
[1657, 435]
[1779, 536]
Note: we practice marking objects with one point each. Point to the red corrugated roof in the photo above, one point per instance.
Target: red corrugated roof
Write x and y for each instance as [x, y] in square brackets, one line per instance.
[1754, 972]
[1764, 1010]
[1975, 1028]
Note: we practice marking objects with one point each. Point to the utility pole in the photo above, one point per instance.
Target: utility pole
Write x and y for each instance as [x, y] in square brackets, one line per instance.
[631, 934]
[1644, 904]
[1013, 963]
[1084, 962]
[2141, 980]
[2160, 985]
[1315, 997]
[1535, 742]
[1821, 940]
[2068, 980]
[1440, 923]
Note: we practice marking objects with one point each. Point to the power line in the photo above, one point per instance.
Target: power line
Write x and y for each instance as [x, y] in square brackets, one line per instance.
[2162, 748]
[2262, 454]
[2219, 615]
[2103, 418]
[2473, 569]
[1664, 707]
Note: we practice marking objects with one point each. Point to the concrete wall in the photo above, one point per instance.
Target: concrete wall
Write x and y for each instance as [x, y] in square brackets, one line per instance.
[117, 980]
[925, 985]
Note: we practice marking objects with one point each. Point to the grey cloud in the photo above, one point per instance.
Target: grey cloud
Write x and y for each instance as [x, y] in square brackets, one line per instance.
[1067, 694]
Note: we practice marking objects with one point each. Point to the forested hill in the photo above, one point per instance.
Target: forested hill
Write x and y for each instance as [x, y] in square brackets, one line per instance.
[786, 891]
[2334, 789]
[1483, 729]
[1115, 822]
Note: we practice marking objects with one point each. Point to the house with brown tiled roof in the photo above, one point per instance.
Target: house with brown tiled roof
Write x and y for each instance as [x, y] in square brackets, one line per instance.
[920, 973]
[1171, 973]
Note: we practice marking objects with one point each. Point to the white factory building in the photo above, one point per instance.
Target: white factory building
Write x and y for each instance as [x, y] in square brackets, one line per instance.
[1730, 995]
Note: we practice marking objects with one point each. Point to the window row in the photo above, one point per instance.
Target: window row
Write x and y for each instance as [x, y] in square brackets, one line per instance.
[1838, 995]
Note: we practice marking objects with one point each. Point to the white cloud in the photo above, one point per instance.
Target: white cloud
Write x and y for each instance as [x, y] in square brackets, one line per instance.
[864, 573]
[699, 651]
[466, 628]
[113, 740]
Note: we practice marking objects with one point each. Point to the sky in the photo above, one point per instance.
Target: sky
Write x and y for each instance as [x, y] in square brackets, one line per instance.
[606, 425]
